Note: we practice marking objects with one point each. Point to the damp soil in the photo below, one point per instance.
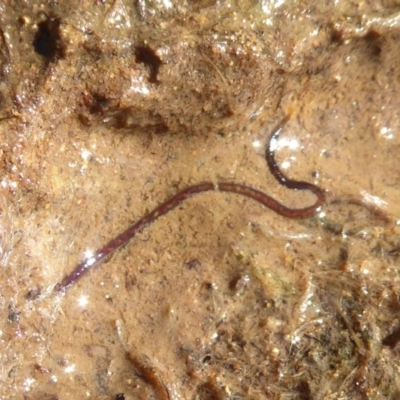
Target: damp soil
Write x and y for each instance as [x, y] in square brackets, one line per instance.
[108, 108]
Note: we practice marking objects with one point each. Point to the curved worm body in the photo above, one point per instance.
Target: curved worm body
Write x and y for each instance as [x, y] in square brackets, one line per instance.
[174, 201]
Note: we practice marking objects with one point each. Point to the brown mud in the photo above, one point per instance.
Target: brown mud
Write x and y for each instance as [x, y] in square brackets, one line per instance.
[108, 108]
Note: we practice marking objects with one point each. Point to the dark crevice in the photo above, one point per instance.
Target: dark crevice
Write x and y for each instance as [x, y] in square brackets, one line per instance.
[146, 55]
[392, 339]
[47, 41]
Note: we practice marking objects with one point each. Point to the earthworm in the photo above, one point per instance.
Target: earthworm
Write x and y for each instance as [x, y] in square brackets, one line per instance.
[247, 191]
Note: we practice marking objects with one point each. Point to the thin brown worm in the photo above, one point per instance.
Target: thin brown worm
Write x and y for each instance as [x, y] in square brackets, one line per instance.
[262, 198]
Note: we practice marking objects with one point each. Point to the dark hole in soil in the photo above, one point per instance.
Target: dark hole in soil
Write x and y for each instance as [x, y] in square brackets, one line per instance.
[47, 40]
[147, 56]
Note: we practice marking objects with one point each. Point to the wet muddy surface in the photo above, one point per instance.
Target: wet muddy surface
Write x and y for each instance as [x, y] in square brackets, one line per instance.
[107, 109]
